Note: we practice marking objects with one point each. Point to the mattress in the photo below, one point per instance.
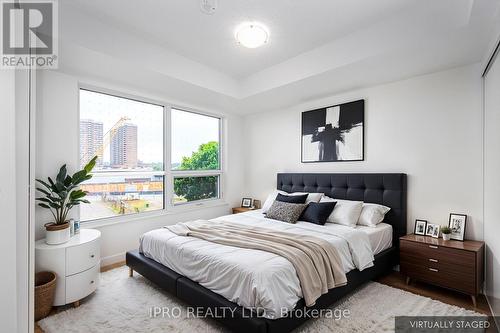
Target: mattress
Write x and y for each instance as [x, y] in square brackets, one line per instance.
[256, 279]
[380, 236]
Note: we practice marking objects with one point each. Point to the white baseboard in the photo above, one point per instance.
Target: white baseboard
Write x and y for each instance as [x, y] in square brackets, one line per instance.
[106, 261]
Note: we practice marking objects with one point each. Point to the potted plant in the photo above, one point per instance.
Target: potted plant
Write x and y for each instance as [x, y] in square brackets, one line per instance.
[59, 197]
[446, 231]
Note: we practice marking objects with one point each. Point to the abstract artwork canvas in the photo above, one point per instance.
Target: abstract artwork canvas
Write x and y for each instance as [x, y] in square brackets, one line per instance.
[334, 133]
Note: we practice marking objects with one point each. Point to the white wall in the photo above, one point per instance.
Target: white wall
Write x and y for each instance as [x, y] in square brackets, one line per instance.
[429, 127]
[492, 183]
[24, 206]
[15, 296]
[57, 143]
[8, 287]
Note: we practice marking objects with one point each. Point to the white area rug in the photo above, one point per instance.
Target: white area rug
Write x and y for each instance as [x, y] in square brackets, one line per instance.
[123, 304]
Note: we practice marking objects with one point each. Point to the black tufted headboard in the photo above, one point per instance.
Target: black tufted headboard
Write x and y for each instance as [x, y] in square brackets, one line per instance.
[388, 189]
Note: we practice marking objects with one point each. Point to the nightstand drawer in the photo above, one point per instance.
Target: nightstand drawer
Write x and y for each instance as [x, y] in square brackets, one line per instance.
[439, 254]
[82, 284]
[436, 261]
[81, 258]
[440, 275]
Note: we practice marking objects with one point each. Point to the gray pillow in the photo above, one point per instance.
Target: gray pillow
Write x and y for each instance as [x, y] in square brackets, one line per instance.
[285, 211]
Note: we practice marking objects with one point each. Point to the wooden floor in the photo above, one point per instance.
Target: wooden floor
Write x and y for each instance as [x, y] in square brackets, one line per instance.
[393, 279]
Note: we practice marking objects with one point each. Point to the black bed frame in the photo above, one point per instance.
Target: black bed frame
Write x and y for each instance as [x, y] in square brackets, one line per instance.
[388, 189]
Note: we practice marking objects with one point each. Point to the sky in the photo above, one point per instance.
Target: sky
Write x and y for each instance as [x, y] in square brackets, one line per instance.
[189, 130]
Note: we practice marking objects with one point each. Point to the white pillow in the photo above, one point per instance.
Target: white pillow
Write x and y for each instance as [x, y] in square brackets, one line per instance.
[345, 212]
[311, 197]
[269, 201]
[372, 214]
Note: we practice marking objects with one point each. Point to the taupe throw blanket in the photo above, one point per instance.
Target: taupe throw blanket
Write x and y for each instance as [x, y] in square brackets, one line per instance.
[317, 262]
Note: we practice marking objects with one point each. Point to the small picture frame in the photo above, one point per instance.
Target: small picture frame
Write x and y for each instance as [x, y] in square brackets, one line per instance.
[432, 230]
[457, 224]
[257, 204]
[420, 227]
[246, 202]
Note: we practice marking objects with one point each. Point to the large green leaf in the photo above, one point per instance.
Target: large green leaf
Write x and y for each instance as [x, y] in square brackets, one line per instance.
[79, 177]
[68, 181]
[61, 175]
[63, 194]
[59, 187]
[88, 168]
[43, 191]
[82, 200]
[77, 194]
[44, 183]
[53, 186]
[55, 205]
[45, 200]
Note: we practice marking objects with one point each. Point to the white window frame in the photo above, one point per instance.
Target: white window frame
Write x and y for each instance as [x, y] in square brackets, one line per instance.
[193, 173]
[168, 179]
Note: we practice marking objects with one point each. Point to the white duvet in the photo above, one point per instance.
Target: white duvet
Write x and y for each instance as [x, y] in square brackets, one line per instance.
[252, 278]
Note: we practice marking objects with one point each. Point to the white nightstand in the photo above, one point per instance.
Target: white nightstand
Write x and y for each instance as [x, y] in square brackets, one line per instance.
[76, 264]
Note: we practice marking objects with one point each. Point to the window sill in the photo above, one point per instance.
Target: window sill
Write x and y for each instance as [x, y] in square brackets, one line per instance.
[175, 210]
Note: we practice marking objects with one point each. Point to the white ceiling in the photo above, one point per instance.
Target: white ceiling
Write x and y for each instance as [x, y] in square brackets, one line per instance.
[188, 53]
[295, 26]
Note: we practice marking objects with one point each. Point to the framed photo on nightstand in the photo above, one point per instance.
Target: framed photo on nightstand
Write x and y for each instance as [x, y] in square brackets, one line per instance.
[457, 225]
[420, 226]
[432, 230]
[246, 202]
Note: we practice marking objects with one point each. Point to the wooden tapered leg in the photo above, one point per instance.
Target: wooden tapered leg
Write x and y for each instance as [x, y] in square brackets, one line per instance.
[407, 280]
[474, 301]
[130, 272]
[76, 304]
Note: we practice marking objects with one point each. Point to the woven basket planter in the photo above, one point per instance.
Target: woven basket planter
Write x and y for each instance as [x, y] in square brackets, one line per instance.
[45, 287]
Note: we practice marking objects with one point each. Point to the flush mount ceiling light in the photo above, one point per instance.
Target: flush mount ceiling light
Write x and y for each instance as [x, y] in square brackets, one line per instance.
[251, 34]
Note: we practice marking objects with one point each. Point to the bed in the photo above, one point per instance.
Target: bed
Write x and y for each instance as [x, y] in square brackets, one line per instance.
[216, 292]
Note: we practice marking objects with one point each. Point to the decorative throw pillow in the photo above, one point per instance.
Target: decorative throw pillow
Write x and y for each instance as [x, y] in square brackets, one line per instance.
[311, 197]
[317, 212]
[285, 211]
[292, 198]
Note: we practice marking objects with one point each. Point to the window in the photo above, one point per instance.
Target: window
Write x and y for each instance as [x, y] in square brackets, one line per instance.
[129, 137]
[195, 156]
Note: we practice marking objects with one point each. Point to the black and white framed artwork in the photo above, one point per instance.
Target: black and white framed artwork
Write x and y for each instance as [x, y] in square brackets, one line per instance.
[334, 133]
[420, 227]
[457, 224]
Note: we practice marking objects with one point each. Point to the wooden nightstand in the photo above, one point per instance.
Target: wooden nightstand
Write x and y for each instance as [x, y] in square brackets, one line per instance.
[450, 264]
[237, 210]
